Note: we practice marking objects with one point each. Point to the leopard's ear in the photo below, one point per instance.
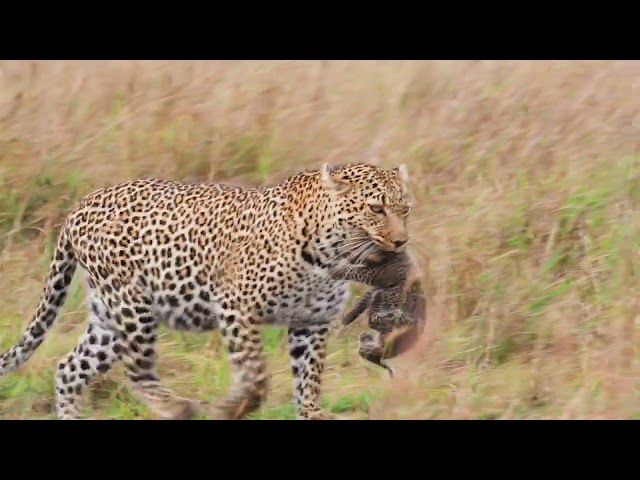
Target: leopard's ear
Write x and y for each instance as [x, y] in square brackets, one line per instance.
[403, 173]
[325, 173]
[333, 182]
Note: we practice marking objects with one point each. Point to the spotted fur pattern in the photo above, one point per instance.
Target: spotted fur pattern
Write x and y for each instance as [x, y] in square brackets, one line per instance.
[397, 308]
[202, 257]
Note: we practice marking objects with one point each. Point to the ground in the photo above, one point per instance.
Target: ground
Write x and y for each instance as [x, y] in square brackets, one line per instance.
[527, 226]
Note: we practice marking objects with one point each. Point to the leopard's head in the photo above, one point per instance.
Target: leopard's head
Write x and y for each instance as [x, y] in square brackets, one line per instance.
[371, 202]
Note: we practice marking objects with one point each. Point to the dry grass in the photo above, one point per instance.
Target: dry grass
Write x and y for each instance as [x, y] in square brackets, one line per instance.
[527, 226]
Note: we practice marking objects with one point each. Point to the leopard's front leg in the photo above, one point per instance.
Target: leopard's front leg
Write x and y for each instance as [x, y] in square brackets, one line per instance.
[307, 352]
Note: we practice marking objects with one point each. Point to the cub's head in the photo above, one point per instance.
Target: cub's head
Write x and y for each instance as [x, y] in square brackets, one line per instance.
[372, 202]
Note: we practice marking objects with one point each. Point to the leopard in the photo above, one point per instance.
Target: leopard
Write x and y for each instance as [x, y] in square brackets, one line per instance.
[210, 256]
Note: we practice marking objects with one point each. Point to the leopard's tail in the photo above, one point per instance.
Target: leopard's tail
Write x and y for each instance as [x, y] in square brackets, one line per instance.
[55, 291]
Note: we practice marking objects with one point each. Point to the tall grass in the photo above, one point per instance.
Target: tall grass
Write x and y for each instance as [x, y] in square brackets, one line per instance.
[527, 221]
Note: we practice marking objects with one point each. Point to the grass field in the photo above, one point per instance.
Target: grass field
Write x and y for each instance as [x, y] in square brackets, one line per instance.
[527, 221]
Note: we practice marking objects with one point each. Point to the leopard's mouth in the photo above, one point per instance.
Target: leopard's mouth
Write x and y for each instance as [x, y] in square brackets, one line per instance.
[389, 246]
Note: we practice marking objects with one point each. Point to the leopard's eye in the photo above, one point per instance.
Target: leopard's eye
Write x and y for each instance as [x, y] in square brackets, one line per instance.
[377, 209]
[404, 211]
